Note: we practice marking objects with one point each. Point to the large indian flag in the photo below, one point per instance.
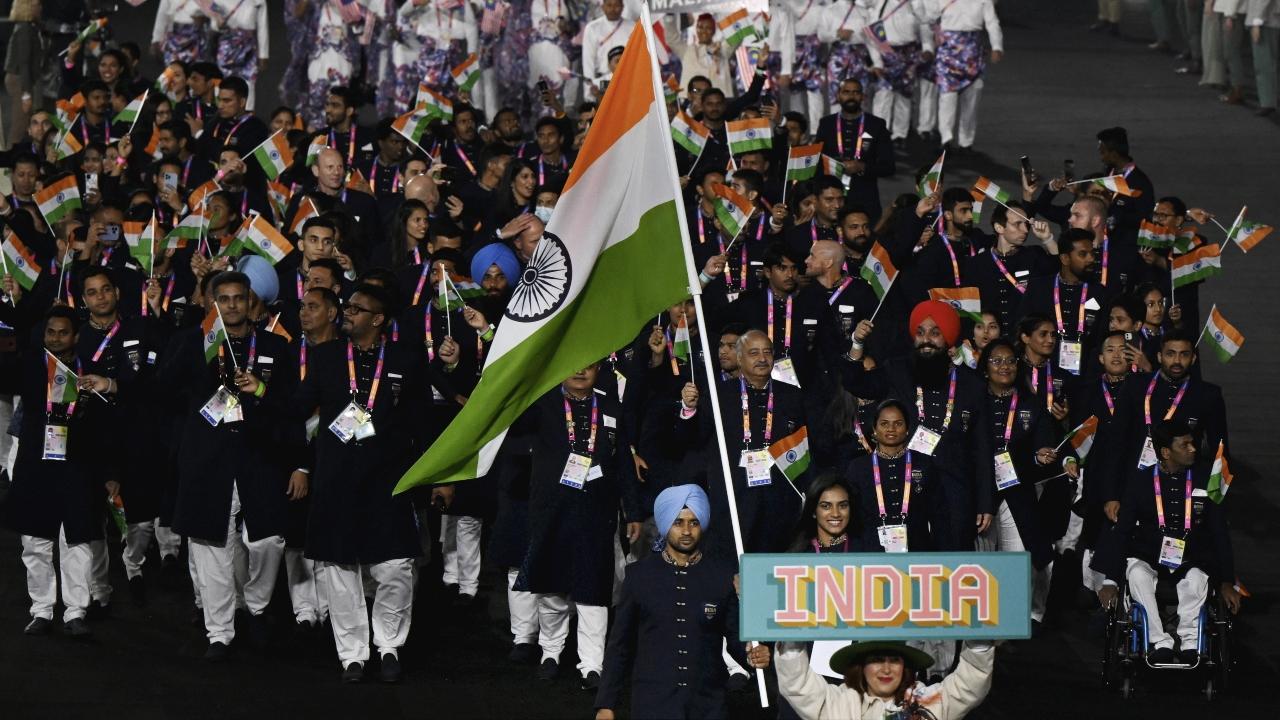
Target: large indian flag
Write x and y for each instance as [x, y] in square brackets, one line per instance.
[611, 259]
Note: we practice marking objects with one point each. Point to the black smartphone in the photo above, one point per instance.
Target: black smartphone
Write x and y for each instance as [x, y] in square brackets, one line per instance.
[1026, 169]
[543, 86]
[1069, 170]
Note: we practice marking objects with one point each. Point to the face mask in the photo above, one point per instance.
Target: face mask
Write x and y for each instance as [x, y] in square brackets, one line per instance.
[543, 213]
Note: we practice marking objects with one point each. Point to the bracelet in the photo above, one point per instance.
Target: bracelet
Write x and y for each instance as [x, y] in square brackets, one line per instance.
[262, 390]
[488, 334]
[704, 278]
[120, 161]
[855, 345]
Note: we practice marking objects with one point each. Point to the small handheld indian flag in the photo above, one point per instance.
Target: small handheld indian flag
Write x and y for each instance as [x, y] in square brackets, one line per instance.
[306, 211]
[1219, 475]
[197, 197]
[1222, 336]
[68, 145]
[413, 125]
[62, 382]
[681, 345]
[737, 27]
[1154, 236]
[467, 73]
[933, 178]
[215, 333]
[791, 454]
[314, 148]
[1081, 438]
[1200, 264]
[966, 300]
[747, 135]
[832, 167]
[1186, 239]
[57, 199]
[433, 103]
[670, 89]
[276, 328]
[991, 190]
[167, 83]
[355, 179]
[19, 262]
[1118, 185]
[262, 237]
[131, 111]
[140, 238]
[878, 270]
[732, 211]
[93, 27]
[274, 155]
[978, 198]
[689, 133]
[1247, 234]
[279, 194]
[192, 227]
[803, 161]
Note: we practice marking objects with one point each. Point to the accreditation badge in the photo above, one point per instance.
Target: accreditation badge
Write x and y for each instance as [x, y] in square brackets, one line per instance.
[785, 371]
[577, 470]
[1148, 457]
[215, 408]
[893, 538]
[758, 464]
[55, 442]
[1171, 551]
[235, 409]
[924, 441]
[344, 426]
[1006, 475]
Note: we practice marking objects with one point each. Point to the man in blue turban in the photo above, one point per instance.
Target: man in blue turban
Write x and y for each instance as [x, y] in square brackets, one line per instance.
[678, 606]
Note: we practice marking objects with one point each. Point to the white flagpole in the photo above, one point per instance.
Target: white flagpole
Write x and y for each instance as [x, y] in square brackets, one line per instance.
[134, 124]
[444, 295]
[226, 336]
[4, 266]
[74, 376]
[1079, 182]
[881, 303]
[695, 289]
[1207, 319]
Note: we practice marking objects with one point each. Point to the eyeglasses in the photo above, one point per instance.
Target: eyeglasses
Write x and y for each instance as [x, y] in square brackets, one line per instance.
[1002, 360]
[356, 310]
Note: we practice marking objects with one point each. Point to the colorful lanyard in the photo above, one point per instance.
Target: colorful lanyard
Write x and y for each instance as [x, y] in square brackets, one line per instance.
[164, 301]
[1048, 381]
[906, 485]
[840, 290]
[351, 141]
[1106, 255]
[417, 255]
[1106, 397]
[186, 171]
[857, 148]
[1173, 408]
[786, 337]
[253, 354]
[377, 374]
[568, 424]
[471, 168]
[426, 331]
[955, 265]
[702, 230]
[422, 283]
[302, 358]
[1186, 508]
[1057, 306]
[373, 176]
[951, 402]
[746, 415]
[1008, 423]
[301, 290]
[813, 230]
[84, 130]
[234, 128]
[48, 403]
[102, 346]
[542, 174]
[1005, 271]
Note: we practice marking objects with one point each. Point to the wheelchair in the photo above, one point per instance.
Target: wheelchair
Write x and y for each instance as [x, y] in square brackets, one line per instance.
[1126, 652]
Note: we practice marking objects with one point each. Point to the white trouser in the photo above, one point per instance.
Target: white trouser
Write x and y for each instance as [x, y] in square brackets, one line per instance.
[523, 609]
[729, 662]
[42, 579]
[1008, 540]
[100, 571]
[136, 541]
[895, 109]
[1193, 590]
[553, 630]
[488, 94]
[927, 104]
[967, 99]
[8, 443]
[460, 545]
[815, 103]
[304, 592]
[1071, 538]
[169, 541]
[344, 586]
[216, 575]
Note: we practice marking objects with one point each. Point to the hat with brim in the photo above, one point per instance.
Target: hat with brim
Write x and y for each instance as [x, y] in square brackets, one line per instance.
[858, 652]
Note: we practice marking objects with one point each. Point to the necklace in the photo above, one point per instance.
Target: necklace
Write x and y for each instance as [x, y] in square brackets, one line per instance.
[693, 559]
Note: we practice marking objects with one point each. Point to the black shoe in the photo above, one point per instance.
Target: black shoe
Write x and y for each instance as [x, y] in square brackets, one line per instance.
[1099, 26]
[77, 629]
[463, 601]
[451, 589]
[98, 610]
[1163, 656]
[37, 626]
[738, 682]
[217, 652]
[523, 653]
[548, 670]
[1189, 656]
[1113, 29]
[1265, 111]
[138, 591]
[259, 633]
[591, 681]
[390, 670]
[171, 573]
[353, 674]
[197, 617]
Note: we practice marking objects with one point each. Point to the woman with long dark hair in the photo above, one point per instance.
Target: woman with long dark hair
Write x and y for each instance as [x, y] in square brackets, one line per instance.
[514, 195]
[409, 233]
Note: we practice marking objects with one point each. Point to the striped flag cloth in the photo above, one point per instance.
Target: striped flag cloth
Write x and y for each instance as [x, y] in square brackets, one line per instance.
[737, 27]
[315, 147]
[191, 228]
[1081, 438]
[167, 82]
[455, 294]
[877, 37]
[350, 11]
[1222, 336]
[991, 190]
[279, 194]
[355, 179]
[746, 135]
[68, 145]
[274, 155]
[580, 296]
[670, 89]
[131, 111]
[1118, 185]
[1154, 236]
[1187, 239]
[57, 199]
[215, 333]
[878, 270]
[433, 103]
[140, 238]
[19, 262]
[263, 238]
[732, 211]
[278, 329]
[466, 73]
[832, 167]
[681, 344]
[966, 300]
[791, 454]
[689, 133]
[978, 198]
[62, 382]
[749, 59]
[929, 183]
[1200, 264]
[803, 161]
[1219, 475]
[1247, 234]
[412, 125]
[198, 196]
[306, 211]
[93, 27]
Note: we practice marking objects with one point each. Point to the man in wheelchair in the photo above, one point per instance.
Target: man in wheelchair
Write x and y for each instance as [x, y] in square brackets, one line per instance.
[1168, 530]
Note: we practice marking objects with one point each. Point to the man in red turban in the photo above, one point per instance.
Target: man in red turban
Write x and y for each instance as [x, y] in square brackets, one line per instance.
[945, 321]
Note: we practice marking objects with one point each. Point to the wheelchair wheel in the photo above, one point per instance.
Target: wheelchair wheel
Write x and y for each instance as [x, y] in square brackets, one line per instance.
[1210, 691]
[1126, 688]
